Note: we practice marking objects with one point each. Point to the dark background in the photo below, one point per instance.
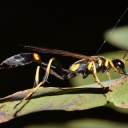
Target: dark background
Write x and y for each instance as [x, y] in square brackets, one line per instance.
[72, 27]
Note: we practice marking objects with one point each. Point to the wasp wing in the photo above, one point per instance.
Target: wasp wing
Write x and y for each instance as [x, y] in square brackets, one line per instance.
[56, 51]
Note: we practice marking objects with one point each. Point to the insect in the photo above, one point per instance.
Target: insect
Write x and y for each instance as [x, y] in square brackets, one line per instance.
[86, 65]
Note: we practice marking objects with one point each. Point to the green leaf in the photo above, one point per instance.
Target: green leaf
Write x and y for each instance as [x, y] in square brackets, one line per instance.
[51, 98]
[68, 99]
[119, 37]
[119, 92]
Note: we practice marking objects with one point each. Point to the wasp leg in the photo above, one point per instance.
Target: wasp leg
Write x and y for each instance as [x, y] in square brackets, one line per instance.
[52, 70]
[54, 73]
[56, 69]
[95, 75]
[112, 65]
[37, 86]
[44, 79]
[36, 82]
[108, 74]
[71, 75]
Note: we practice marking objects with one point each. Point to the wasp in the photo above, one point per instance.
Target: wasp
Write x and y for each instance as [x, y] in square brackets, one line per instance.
[86, 65]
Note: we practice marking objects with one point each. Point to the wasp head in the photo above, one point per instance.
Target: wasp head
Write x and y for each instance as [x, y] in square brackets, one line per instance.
[119, 65]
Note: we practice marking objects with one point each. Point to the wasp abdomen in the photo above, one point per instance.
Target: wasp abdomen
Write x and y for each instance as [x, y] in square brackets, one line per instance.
[17, 60]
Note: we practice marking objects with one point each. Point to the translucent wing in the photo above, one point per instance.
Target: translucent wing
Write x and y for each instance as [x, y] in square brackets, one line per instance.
[56, 51]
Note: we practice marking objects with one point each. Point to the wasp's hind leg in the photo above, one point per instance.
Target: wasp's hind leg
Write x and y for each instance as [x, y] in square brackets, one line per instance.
[36, 81]
[45, 78]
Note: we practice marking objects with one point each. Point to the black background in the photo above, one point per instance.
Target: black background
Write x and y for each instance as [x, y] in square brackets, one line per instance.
[72, 27]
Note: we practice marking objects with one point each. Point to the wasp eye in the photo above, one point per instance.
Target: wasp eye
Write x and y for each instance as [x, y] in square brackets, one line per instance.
[119, 63]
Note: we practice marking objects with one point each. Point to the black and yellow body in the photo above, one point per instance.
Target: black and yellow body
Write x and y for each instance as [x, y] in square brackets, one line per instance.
[99, 64]
[85, 66]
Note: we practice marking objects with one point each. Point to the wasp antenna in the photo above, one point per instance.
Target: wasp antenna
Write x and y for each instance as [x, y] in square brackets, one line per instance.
[112, 30]
[125, 55]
